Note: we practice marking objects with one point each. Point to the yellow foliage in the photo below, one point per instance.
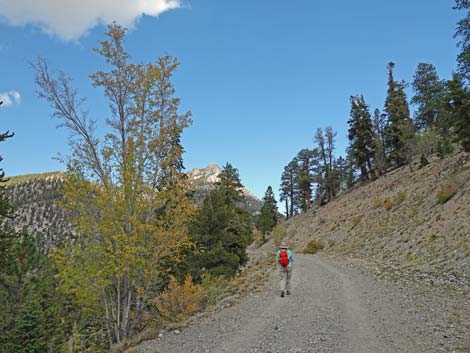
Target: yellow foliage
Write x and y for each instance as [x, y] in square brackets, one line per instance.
[257, 237]
[279, 233]
[388, 204]
[179, 301]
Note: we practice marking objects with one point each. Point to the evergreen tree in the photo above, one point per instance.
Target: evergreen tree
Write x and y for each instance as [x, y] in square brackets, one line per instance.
[379, 124]
[458, 107]
[6, 212]
[31, 329]
[325, 179]
[397, 113]
[351, 176]
[267, 218]
[307, 161]
[287, 190]
[229, 180]
[341, 171]
[463, 32]
[428, 93]
[34, 316]
[360, 135]
[221, 229]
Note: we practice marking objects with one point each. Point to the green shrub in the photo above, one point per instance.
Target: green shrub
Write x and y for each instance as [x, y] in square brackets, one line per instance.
[214, 287]
[400, 197]
[376, 202]
[313, 246]
[446, 192]
[423, 161]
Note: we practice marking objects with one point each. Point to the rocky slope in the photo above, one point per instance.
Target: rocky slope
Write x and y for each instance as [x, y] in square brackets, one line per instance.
[400, 222]
[35, 199]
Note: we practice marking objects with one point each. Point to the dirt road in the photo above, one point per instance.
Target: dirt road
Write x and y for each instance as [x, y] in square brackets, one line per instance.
[334, 308]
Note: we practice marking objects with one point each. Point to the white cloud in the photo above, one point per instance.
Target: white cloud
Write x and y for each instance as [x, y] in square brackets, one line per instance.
[10, 98]
[70, 19]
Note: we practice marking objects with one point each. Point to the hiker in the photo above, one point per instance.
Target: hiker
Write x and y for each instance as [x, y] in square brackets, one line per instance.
[284, 260]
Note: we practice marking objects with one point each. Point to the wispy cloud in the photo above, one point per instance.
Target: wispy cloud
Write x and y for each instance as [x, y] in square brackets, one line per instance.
[70, 19]
[10, 98]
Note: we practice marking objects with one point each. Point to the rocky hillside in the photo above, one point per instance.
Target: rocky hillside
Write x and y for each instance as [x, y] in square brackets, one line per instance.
[204, 181]
[417, 222]
[36, 197]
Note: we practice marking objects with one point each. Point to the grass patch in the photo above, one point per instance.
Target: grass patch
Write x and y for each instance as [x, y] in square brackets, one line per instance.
[313, 247]
[146, 335]
[355, 221]
[446, 192]
[376, 203]
[400, 197]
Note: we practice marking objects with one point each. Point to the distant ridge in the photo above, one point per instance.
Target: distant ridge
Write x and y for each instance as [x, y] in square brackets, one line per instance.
[35, 198]
[28, 177]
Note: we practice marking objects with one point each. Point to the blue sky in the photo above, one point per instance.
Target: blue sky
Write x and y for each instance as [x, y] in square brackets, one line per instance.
[259, 76]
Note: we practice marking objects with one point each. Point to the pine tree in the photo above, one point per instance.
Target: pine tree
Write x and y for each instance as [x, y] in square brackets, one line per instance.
[379, 124]
[360, 135]
[397, 113]
[307, 161]
[268, 217]
[463, 32]
[229, 179]
[287, 189]
[351, 176]
[221, 229]
[428, 93]
[325, 179]
[341, 170]
[6, 212]
[458, 107]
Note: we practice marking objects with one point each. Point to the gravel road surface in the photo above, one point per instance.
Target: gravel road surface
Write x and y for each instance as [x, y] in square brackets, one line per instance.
[334, 308]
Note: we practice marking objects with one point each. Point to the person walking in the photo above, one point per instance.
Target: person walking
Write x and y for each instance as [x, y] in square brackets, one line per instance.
[284, 260]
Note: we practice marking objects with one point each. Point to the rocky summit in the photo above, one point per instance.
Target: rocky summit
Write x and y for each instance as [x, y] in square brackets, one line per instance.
[205, 179]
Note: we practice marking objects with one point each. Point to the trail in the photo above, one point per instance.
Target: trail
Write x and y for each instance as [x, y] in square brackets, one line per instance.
[334, 308]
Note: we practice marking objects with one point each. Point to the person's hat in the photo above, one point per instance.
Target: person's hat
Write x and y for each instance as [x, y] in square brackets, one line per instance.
[284, 245]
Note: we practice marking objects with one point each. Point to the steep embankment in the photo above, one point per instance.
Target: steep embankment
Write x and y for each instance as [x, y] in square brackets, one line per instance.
[400, 221]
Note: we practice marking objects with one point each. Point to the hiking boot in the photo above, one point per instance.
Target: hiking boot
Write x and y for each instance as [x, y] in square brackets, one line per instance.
[288, 292]
[282, 294]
